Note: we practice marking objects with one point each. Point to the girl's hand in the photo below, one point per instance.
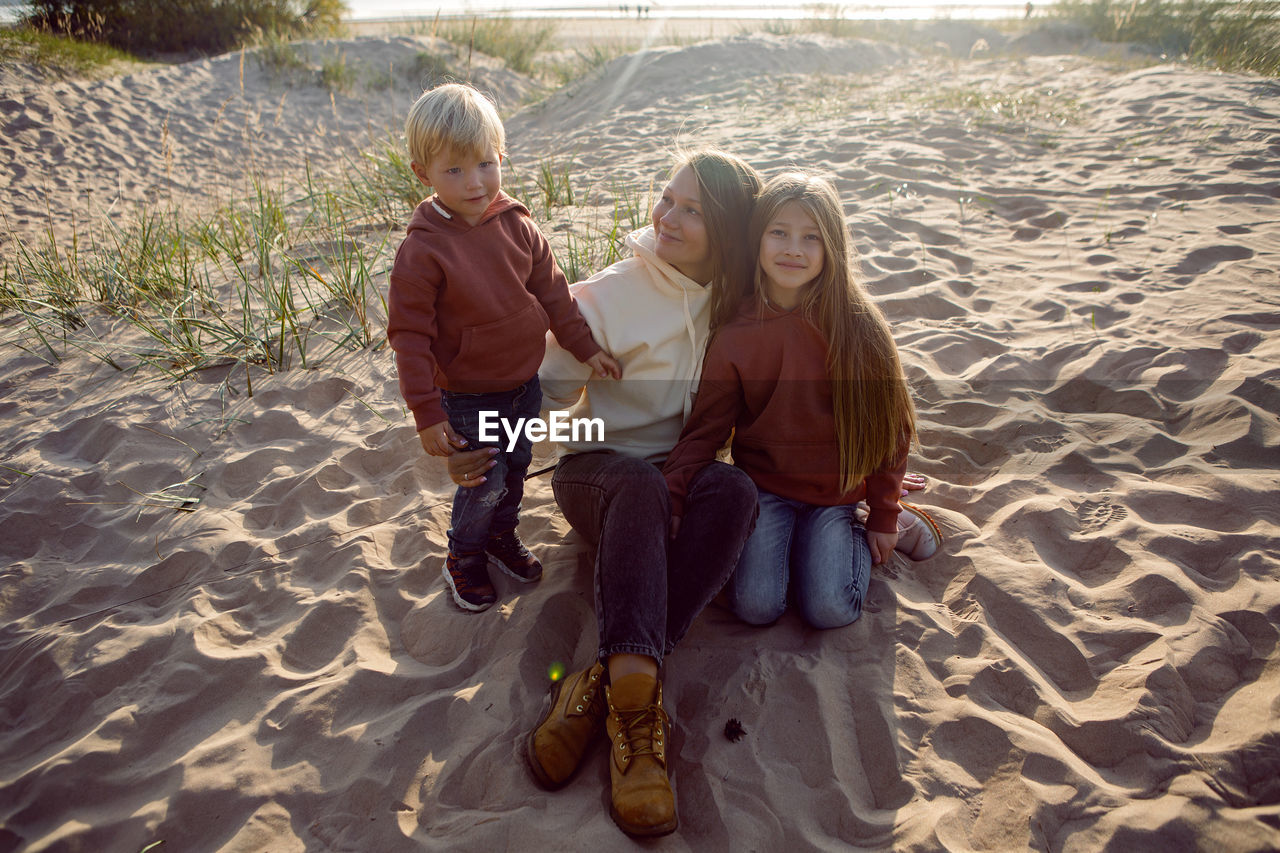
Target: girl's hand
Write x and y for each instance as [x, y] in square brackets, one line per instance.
[913, 483]
[605, 365]
[440, 439]
[881, 545]
[467, 468]
[673, 527]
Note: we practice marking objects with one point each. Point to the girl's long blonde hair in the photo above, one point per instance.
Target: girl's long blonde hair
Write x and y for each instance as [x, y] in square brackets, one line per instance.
[875, 419]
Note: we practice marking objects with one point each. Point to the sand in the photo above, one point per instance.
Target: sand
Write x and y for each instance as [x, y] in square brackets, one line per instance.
[1079, 260]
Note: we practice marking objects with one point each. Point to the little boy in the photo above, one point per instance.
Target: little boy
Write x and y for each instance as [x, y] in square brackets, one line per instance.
[473, 292]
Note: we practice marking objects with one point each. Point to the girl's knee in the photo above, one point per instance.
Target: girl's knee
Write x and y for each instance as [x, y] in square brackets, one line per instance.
[828, 614]
[758, 613]
[760, 608]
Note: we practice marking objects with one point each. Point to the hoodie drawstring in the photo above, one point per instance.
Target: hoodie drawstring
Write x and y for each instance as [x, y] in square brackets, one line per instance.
[697, 356]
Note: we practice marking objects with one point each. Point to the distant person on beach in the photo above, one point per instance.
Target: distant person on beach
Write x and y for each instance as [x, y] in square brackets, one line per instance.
[473, 291]
[653, 311]
[807, 380]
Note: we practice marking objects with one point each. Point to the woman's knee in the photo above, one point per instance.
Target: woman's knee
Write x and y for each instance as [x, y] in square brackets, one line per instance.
[732, 488]
[639, 483]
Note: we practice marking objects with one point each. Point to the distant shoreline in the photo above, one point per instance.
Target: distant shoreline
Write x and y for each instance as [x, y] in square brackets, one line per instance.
[574, 32]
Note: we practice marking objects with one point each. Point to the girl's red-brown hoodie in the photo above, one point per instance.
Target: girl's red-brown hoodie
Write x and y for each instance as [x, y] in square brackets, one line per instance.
[765, 382]
[469, 306]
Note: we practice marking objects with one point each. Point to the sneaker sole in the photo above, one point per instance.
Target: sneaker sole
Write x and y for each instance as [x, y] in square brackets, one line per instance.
[501, 566]
[929, 523]
[458, 599]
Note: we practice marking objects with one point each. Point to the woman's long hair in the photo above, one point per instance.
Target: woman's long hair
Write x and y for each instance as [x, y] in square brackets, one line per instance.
[875, 419]
[728, 187]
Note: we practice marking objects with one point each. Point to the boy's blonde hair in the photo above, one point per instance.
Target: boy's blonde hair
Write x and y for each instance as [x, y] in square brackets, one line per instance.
[453, 117]
[875, 419]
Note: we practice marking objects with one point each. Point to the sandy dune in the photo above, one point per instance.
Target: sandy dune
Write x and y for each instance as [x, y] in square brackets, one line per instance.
[1080, 261]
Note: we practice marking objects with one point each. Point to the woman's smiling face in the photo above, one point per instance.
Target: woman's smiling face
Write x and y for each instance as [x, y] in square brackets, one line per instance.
[679, 227]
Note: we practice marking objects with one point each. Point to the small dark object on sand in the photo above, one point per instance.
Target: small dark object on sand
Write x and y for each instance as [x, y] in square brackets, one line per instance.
[733, 730]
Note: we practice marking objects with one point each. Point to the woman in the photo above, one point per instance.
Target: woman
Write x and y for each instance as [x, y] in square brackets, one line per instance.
[653, 312]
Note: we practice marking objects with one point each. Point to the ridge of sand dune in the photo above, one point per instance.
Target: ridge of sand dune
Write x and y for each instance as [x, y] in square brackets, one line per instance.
[195, 133]
[1079, 262]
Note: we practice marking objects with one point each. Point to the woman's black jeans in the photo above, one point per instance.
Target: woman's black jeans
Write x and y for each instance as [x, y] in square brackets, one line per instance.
[649, 588]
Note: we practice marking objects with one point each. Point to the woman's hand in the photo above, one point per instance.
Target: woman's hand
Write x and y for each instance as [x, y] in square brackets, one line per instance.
[467, 468]
[440, 439]
[605, 365]
[881, 545]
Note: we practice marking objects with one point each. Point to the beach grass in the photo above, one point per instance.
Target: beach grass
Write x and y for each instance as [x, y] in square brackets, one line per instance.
[60, 54]
[1224, 34]
[283, 277]
[517, 42]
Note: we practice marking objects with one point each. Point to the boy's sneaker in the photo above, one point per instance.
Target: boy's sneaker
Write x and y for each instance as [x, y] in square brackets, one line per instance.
[513, 558]
[468, 580]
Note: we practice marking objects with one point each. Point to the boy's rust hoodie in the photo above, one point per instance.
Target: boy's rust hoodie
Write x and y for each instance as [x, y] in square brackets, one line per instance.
[469, 307]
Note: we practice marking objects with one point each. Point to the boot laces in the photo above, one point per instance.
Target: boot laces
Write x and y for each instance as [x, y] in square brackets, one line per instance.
[591, 702]
[643, 732]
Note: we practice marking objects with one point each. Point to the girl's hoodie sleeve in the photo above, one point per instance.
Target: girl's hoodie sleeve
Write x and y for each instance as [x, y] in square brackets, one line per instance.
[715, 411]
[884, 487]
[411, 330]
[550, 287]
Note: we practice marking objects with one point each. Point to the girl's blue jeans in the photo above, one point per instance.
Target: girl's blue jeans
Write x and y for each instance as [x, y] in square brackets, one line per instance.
[493, 507]
[817, 553]
[649, 587]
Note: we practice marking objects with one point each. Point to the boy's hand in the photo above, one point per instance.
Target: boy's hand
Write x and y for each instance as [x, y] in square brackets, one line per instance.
[881, 545]
[604, 365]
[440, 439]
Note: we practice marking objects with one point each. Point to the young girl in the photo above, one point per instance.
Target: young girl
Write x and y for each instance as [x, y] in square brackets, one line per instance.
[807, 379]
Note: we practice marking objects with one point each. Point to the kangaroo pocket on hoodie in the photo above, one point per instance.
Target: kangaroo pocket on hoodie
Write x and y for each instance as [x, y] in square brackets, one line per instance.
[491, 354]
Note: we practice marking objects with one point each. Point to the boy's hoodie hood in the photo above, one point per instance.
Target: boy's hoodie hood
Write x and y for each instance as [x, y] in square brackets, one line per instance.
[435, 218]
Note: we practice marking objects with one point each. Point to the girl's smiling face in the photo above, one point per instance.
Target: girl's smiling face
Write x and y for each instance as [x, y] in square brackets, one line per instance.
[679, 227]
[791, 255]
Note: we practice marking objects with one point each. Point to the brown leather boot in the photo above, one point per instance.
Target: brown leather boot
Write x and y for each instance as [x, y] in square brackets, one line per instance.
[555, 747]
[643, 803]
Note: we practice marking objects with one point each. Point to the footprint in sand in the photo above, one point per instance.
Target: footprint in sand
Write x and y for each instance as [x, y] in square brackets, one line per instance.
[1202, 260]
[1044, 443]
[1095, 515]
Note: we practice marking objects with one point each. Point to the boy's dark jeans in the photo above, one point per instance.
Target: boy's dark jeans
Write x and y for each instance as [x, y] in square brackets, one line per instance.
[493, 507]
[650, 588]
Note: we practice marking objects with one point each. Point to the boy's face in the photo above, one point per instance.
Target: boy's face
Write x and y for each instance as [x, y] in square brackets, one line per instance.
[466, 182]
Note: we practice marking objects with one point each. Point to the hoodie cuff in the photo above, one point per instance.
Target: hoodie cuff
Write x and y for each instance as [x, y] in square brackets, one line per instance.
[883, 519]
[428, 415]
[585, 348]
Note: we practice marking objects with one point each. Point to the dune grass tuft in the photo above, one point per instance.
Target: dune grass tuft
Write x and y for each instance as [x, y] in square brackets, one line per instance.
[516, 42]
[58, 53]
[1226, 34]
[285, 277]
